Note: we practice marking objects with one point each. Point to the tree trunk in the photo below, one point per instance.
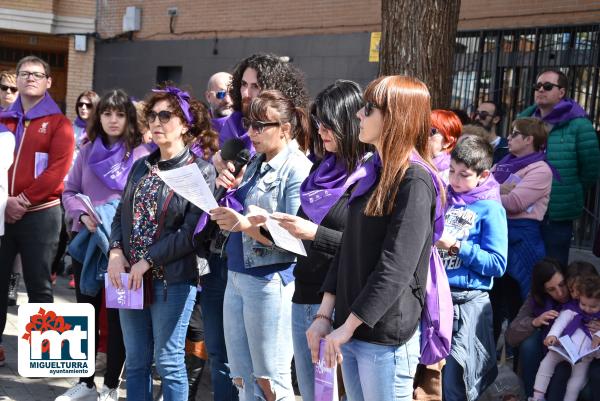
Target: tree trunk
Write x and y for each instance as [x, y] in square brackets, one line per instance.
[418, 39]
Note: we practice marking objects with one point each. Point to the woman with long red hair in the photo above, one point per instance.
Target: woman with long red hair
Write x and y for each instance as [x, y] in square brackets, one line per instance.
[384, 257]
[445, 130]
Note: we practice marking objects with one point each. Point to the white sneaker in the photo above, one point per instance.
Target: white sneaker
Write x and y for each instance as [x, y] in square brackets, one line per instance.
[108, 394]
[79, 392]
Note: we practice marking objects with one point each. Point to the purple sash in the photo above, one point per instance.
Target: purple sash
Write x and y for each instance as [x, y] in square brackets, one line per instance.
[510, 164]
[487, 190]
[442, 161]
[232, 128]
[228, 200]
[565, 110]
[111, 166]
[45, 107]
[325, 186]
[369, 172]
[579, 321]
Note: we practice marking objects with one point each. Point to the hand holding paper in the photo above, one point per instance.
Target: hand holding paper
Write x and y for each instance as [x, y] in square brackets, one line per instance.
[189, 182]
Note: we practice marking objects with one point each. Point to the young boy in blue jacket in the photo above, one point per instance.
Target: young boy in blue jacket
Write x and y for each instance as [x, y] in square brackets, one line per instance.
[473, 248]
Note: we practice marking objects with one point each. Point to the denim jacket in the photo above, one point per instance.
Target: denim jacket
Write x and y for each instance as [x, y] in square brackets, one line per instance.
[275, 189]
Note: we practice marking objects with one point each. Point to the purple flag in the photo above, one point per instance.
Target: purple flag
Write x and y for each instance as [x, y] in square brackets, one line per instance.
[123, 298]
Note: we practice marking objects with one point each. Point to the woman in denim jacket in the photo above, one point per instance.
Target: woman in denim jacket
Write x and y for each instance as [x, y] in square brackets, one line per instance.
[258, 298]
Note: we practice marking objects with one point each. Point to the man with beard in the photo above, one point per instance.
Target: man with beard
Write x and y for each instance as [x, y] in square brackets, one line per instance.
[219, 100]
[488, 115]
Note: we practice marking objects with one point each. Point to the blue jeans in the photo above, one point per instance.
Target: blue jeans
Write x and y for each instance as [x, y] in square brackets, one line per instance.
[380, 372]
[557, 239]
[302, 318]
[158, 331]
[258, 334]
[211, 301]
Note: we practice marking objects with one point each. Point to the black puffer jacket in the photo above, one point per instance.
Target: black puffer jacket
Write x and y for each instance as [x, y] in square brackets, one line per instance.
[173, 248]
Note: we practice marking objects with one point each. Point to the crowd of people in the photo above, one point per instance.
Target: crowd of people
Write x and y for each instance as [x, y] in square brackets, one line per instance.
[376, 185]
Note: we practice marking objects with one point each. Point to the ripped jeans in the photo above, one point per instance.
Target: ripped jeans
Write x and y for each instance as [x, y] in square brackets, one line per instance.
[258, 334]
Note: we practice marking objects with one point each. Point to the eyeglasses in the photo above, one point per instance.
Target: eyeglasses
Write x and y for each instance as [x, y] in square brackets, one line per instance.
[6, 88]
[220, 94]
[369, 106]
[164, 116]
[516, 133]
[258, 126]
[36, 75]
[546, 85]
[84, 104]
[482, 114]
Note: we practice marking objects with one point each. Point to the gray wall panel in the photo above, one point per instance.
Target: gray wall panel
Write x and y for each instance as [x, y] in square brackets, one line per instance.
[323, 58]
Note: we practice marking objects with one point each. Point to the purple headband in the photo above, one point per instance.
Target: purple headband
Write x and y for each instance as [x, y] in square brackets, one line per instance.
[183, 98]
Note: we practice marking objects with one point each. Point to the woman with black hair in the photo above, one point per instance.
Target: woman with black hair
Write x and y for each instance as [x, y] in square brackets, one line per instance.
[322, 216]
[151, 238]
[100, 172]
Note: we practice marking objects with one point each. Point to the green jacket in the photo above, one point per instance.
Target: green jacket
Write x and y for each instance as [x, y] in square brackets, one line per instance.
[573, 150]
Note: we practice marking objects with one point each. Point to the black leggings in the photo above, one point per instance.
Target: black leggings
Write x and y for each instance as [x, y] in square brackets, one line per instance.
[115, 353]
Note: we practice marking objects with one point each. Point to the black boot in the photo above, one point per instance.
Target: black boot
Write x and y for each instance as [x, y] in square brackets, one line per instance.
[13, 284]
[194, 367]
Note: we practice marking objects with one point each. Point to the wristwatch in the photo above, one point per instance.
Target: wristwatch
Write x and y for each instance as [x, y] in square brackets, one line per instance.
[115, 245]
[453, 250]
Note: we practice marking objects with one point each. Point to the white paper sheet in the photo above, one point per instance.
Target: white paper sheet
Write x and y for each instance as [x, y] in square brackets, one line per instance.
[284, 239]
[89, 207]
[189, 182]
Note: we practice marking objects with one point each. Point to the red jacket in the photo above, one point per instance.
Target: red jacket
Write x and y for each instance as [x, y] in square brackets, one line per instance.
[52, 137]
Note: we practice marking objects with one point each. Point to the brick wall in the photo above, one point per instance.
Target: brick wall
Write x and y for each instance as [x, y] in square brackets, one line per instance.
[275, 18]
[80, 73]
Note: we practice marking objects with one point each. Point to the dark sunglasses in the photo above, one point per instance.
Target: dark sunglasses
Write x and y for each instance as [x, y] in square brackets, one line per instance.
[6, 88]
[369, 107]
[81, 104]
[164, 116]
[257, 125]
[546, 85]
[220, 95]
[434, 131]
[482, 114]
[515, 133]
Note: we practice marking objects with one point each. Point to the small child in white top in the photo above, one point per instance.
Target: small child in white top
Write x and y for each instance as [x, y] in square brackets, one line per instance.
[572, 321]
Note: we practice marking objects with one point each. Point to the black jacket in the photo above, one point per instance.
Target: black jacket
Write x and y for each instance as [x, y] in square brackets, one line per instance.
[373, 274]
[173, 248]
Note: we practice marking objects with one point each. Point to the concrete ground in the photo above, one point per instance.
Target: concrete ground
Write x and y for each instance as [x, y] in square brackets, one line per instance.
[17, 388]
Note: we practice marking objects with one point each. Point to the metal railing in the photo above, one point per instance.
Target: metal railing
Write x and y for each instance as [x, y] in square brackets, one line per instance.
[502, 66]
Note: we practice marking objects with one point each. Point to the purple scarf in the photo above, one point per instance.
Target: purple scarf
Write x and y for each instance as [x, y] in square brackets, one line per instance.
[229, 200]
[80, 122]
[549, 304]
[233, 128]
[442, 161]
[111, 166]
[325, 186]
[565, 110]
[218, 123]
[487, 190]
[580, 320]
[510, 164]
[370, 172]
[45, 107]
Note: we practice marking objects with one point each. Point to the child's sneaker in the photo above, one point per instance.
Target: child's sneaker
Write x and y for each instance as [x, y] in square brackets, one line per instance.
[72, 282]
[2, 357]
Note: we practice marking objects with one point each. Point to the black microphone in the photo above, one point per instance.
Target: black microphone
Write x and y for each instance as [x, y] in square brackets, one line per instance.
[234, 150]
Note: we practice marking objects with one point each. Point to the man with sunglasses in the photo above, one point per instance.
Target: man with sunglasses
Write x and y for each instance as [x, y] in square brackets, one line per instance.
[44, 144]
[8, 89]
[218, 98]
[488, 115]
[572, 149]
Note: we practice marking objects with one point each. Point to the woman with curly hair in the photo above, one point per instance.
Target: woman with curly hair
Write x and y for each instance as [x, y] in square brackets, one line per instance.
[151, 239]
